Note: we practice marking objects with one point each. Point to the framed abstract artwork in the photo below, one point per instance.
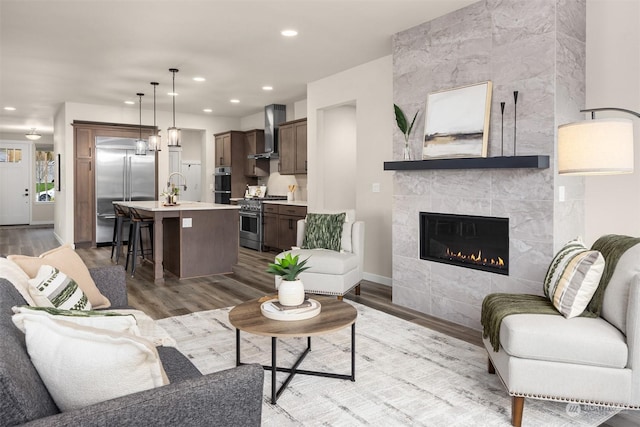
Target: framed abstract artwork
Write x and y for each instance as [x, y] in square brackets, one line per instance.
[457, 122]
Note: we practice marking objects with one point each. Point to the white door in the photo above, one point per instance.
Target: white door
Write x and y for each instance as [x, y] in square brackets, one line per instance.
[15, 194]
[191, 171]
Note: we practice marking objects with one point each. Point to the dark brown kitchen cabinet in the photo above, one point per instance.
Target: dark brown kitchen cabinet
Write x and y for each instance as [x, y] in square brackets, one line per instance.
[223, 149]
[280, 225]
[84, 189]
[293, 147]
[230, 152]
[288, 217]
[270, 230]
[255, 144]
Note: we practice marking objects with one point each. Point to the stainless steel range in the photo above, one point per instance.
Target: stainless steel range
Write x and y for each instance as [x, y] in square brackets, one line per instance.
[251, 223]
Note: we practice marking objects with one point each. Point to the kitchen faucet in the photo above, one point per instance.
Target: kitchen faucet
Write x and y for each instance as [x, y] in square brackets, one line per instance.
[183, 177]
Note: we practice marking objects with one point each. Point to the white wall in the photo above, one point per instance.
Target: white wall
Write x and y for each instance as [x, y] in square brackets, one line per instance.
[63, 144]
[613, 80]
[337, 143]
[370, 88]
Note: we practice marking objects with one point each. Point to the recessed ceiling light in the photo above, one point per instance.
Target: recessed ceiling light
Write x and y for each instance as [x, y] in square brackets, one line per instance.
[267, 87]
[172, 93]
[199, 79]
[129, 102]
[289, 33]
[234, 101]
[207, 110]
[10, 108]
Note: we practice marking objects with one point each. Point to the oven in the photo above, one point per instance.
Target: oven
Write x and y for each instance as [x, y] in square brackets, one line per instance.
[222, 185]
[251, 223]
[251, 229]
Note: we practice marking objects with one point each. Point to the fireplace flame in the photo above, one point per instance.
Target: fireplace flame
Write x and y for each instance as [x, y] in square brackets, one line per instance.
[476, 258]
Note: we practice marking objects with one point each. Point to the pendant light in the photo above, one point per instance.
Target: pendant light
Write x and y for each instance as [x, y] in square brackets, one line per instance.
[155, 139]
[141, 145]
[174, 132]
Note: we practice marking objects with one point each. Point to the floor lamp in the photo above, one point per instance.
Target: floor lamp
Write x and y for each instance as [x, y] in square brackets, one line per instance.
[596, 146]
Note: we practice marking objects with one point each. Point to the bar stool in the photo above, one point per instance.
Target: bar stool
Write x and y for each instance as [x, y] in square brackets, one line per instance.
[138, 223]
[122, 216]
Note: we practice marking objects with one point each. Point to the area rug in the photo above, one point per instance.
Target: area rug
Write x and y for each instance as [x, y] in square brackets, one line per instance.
[406, 375]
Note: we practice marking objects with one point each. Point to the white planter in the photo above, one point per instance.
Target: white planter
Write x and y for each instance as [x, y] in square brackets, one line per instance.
[291, 292]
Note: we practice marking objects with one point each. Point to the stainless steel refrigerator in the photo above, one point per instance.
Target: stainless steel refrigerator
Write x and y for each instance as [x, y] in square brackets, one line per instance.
[121, 175]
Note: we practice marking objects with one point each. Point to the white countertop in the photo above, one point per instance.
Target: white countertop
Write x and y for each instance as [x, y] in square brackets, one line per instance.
[284, 202]
[183, 205]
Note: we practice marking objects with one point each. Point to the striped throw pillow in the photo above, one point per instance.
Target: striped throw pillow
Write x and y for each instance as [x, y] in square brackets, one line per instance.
[573, 277]
[53, 288]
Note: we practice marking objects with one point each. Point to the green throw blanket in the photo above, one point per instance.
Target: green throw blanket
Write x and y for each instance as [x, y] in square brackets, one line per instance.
[496, 307]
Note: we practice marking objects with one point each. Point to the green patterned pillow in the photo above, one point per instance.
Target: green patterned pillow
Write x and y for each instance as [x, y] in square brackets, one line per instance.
[53, 288]
[323, 231]
[573, 277]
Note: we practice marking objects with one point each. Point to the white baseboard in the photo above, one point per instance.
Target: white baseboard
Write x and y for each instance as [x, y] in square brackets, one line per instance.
[41, 223]
[59, 239]
[377, 279]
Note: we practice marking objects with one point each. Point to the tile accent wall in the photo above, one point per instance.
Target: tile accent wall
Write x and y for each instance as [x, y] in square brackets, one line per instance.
[538, 49]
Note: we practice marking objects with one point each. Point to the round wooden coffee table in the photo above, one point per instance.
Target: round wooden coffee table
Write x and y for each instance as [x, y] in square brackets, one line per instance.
[335, 315]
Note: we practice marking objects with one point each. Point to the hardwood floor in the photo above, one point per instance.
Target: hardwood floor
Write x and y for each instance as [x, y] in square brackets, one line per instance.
[248, 280]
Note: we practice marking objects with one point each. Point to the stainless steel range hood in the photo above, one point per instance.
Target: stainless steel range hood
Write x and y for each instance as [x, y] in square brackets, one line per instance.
[274, 114]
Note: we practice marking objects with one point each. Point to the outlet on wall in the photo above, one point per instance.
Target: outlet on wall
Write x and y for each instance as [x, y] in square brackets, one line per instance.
[375, 188]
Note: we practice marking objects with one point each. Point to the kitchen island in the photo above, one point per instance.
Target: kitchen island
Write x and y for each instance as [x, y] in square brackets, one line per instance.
[191, 239]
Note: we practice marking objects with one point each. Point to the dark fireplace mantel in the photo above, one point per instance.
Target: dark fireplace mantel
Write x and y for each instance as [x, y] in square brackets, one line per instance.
[502, 162]
[477, 242]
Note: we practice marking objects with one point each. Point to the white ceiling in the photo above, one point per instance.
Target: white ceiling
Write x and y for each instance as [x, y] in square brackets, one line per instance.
[104, 51]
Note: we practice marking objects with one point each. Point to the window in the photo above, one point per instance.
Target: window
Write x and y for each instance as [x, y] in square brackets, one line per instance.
[10, 155]
[45, 166]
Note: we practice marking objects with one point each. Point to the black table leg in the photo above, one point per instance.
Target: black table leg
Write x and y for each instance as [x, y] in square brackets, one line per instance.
[274, 370]
[353, 351]
[275, 393]
[237, 347]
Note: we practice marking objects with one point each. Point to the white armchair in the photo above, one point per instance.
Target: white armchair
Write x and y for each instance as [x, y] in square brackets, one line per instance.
[592, 361]
[331, 272]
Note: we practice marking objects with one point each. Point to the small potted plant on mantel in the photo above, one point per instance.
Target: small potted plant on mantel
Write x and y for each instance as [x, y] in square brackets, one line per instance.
[290, 289]
[405, 128]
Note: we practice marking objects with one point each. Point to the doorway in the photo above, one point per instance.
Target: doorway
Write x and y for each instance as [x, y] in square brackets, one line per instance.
[15, 170]
[192, 171]
[338, 145]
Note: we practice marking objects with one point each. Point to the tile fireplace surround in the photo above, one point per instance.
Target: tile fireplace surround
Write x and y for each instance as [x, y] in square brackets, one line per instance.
[537, 48]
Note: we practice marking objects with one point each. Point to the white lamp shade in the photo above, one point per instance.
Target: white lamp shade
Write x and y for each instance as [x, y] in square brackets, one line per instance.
[596, 147]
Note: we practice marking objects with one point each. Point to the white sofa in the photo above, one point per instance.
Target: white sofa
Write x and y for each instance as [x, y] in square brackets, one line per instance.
[331, 272]
[593, 361]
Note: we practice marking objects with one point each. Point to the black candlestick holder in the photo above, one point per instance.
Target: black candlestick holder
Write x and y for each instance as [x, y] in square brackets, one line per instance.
[502, 129]
[515, 118]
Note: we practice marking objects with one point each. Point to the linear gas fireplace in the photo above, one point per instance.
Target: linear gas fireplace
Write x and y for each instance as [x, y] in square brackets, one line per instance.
[477, 242]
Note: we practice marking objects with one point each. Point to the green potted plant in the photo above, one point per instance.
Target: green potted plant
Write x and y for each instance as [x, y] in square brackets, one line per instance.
[405, 128]
[290, 288]
[171, 194]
